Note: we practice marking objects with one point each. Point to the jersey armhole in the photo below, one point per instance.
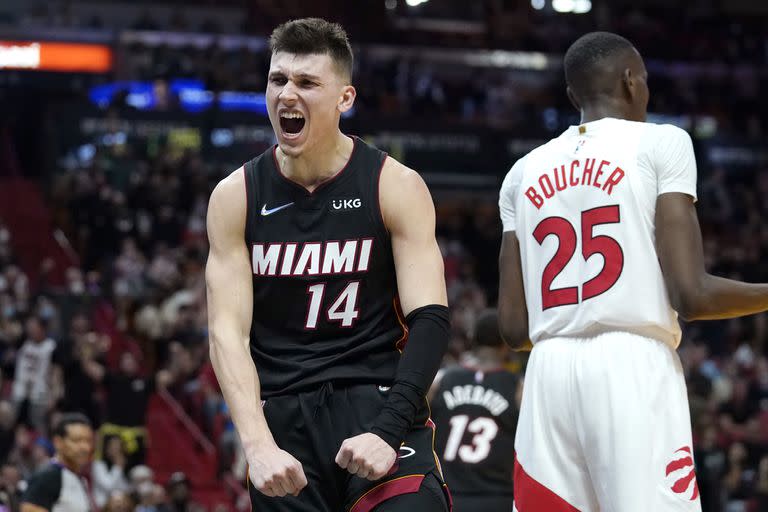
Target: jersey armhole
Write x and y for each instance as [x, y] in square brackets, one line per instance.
[248, 200]
[379, 216]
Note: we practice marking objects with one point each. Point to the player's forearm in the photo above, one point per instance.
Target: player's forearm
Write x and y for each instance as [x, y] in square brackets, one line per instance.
[239, 382]
[428, 338]
[513, 327]
[717, 298]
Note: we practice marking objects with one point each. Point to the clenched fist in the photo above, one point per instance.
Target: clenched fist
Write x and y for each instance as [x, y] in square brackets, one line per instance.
[274, 472]
[366, 456]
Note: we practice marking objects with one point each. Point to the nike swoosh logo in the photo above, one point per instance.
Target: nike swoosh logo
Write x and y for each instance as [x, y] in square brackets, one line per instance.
[266, 212]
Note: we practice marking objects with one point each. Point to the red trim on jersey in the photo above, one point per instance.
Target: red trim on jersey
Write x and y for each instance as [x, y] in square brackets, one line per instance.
[389, 489]
[327, 181]
[378, 193]
[531, 496]
[400, 344]
[248, 202]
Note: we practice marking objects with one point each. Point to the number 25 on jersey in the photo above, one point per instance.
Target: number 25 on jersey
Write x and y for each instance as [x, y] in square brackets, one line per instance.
[604, 245]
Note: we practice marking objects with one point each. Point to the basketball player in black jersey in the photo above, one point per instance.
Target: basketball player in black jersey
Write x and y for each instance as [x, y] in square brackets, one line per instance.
[475, 408]
[326, 300]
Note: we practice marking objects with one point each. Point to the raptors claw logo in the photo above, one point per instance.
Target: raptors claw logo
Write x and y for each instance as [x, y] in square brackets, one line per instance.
[681, 474]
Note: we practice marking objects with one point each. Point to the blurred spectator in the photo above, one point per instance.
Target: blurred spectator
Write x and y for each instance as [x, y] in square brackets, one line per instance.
[108, 474]
[140, 475]
[738, 480]
[128, 395]
[32, 382]
[710, 469]
[119, 501]
[11, 487]
[178, 494]
[81, 362]
[761, 487]
[7, 428]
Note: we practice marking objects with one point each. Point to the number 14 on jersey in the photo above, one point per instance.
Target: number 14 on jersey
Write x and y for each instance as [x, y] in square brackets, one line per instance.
[343, 310]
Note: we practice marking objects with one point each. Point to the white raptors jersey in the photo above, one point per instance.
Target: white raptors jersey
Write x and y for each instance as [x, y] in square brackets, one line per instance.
[583, 207]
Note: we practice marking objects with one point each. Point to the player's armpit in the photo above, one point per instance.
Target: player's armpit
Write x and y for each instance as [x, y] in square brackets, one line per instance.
[695, 294]
[513, 312]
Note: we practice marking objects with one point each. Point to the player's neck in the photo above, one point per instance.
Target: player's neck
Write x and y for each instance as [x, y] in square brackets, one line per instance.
[596, 112]
[319, 163]
[487, 358]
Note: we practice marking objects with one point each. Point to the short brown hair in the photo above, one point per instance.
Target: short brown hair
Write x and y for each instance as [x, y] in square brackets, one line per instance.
[307, 36]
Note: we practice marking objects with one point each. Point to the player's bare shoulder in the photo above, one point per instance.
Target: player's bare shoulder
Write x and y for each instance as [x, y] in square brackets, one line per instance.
[403, 193]
[228, 203]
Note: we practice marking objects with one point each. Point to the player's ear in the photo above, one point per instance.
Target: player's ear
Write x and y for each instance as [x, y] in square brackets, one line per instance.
[628, 82]
[347, 98]
[572, 98]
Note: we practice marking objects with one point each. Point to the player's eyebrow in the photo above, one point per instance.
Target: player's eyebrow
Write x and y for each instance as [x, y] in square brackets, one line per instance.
[299, 76]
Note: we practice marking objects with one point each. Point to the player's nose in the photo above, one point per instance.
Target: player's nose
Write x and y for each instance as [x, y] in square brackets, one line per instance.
[288, 93]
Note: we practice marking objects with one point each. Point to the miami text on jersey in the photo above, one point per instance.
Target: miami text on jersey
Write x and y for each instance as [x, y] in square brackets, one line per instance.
[311, 258]
[577, 173]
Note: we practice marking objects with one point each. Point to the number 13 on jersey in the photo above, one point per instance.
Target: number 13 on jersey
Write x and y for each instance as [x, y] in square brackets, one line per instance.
[591, 244]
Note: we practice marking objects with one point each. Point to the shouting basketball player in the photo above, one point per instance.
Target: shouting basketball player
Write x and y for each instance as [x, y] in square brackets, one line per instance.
[322, 252]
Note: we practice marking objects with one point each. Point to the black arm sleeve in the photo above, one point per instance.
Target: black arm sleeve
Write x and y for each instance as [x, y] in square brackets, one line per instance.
[44, 488]
[428, 337]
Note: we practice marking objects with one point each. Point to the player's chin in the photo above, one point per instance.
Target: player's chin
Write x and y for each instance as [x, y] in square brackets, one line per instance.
[292, 144]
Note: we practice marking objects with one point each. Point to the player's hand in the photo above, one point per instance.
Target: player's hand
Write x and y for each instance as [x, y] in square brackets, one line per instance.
[275, 472]
[366, 456]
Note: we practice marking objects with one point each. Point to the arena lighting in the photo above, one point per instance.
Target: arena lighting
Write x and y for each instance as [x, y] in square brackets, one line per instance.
[49, 56]
[538, 4]
[572, 6]
[414, 3]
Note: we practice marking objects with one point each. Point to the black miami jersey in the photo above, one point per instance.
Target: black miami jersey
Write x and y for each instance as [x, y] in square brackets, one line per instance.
[476, 416]
[325, 304]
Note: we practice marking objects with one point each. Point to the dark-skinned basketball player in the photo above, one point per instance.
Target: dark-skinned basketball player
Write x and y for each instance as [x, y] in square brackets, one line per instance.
[601, 252]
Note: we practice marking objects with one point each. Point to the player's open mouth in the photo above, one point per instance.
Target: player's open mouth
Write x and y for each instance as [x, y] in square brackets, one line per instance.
[291, 123]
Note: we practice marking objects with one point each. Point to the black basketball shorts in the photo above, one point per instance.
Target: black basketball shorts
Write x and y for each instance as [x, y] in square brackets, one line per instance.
[312, 425]
[482, 503]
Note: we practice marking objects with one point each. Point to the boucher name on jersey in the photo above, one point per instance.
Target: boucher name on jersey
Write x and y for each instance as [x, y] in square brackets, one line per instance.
[574, 174]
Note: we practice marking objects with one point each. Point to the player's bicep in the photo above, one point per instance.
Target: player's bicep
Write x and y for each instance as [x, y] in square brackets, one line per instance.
[513, 312]
[679, 248]
[410, 217]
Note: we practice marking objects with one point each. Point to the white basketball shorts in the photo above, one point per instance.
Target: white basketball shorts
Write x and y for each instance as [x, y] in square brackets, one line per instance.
[604, 426]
